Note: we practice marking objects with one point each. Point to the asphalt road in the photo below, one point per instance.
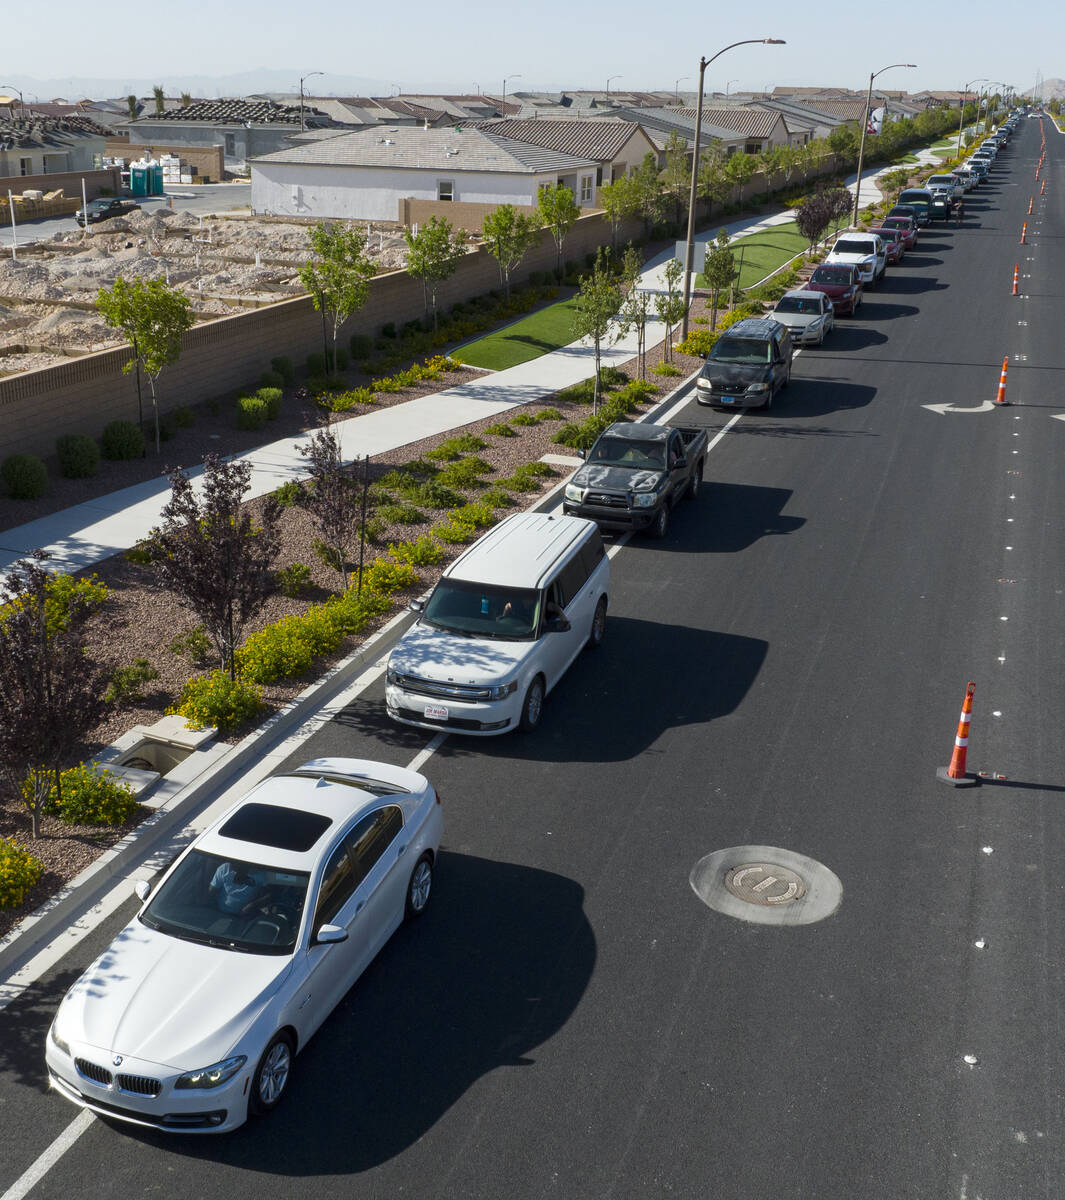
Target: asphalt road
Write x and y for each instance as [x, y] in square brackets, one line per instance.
[199, 200]
[785, 669]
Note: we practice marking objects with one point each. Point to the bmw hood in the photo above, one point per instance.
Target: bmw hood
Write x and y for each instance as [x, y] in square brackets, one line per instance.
[172, 1002]
[616, 479]
[451, 658]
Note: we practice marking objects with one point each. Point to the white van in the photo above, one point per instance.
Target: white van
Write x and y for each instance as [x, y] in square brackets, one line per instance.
[501, 627]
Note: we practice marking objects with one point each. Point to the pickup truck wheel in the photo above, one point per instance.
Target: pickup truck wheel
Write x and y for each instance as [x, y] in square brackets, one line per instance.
[595, 637]
[696, 481]
[658, 527]
[532, 708]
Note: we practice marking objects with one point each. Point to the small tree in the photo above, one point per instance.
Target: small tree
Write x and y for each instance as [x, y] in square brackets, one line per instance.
[720, 271]
[595, 307]
[213, 556]
[433, 255]
[740, 169]
[557, 212]
[160, 98]
[635, 307]
[618, 200]
[153, 316]
[713, 182]
[670, 304]
[815, 216]
[842, 201]
[337, 276]
[676, 175]
[51, 692]
[509, 235]
[647, 191]
[333, 499]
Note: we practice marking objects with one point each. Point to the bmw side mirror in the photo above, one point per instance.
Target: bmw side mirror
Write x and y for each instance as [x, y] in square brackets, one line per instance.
[417, 606]
[142, 887]
[329, 935]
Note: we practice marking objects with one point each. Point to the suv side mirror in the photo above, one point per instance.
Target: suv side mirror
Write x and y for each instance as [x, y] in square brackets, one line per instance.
[557, 625]
[581, 452]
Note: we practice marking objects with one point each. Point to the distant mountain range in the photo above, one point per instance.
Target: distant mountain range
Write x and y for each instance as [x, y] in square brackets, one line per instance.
[1051, 89]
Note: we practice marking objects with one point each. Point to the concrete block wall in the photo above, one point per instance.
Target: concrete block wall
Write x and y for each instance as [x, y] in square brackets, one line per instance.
[209, 161]
[462, 214]
[108, 179]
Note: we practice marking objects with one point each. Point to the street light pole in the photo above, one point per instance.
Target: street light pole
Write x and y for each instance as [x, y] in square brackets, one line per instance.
[728, 85]
[503, 114]
[302, 125]
[689, 247]
[21, 102]
[961, 116]
[608, 83]
[865, 130]
[676, 88]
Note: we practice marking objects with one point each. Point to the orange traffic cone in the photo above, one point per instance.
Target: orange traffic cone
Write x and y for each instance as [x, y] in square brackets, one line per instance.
[1001, 397]
[1031, 201]
[1043, 188]
[1024, 234]
[1016, 276]
[955, 774]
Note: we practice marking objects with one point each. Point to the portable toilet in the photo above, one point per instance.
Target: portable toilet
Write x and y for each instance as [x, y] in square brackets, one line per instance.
[146, 178]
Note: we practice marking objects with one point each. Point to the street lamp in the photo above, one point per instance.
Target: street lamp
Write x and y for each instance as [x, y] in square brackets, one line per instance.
[689, 248]
[21, 102]
[608, 83]
[728, 85]
[865, 129]
[302, 126]
[504, 106]
[676, 88]
[961, 117]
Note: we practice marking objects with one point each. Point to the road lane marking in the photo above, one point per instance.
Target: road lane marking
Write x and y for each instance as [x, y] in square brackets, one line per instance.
[46, 1161]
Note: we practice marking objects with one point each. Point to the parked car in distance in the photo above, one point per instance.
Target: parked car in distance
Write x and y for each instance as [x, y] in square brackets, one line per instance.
[965, 177]
[635, 473]
[189, 1021]
[941, 208]
[103, 208]
[946, 184]
[980, 167]
[748, 364]
[920, 199]
[863, 250]
[894, 248]
[502, 626]
[840, 283]
[907, 227]
[807, 314]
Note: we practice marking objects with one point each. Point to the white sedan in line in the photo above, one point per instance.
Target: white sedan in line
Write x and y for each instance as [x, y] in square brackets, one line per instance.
[191, 1018]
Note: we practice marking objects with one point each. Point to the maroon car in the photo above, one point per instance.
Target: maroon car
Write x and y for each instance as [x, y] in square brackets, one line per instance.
[840, 283]
[893, 243]
[907, 226]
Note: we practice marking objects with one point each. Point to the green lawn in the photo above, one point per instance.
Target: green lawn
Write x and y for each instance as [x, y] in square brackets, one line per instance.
[526, 339]
[761, 253]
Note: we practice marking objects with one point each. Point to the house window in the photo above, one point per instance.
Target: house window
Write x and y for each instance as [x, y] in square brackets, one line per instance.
[599, 177]
[586, 189]
[445, 189]
[25, 166]
[231, 144]
[753, 148]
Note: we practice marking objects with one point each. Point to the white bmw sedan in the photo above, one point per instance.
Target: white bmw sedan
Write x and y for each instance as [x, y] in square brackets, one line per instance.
[191, 1018]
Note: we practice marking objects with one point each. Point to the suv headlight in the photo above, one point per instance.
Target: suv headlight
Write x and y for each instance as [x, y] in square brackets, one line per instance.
[644, 499]
[214, 1075]
[573, 492]
[502, 690]
[758, 387]
[391, 675]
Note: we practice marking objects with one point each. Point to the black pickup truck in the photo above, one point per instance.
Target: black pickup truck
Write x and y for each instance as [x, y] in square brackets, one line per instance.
[634, 474]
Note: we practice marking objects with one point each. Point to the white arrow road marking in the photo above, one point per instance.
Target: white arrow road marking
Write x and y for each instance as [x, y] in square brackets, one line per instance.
[1058, 416]
[987, 406]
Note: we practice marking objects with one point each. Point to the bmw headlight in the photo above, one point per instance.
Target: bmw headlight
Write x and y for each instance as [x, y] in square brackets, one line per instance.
[214, 1075]
[503, 690]
[573, 492]
[58, 1041]
[644, 499]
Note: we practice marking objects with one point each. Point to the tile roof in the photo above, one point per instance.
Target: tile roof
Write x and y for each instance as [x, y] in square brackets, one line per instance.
[668, 120]
[454, 149]
[751, 122]
[38, 132]
[239, 112]
[587, 138]
[846, 110]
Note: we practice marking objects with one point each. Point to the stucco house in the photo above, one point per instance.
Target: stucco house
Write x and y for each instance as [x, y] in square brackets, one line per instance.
[366, 175]
[40, 145]
[617, 146]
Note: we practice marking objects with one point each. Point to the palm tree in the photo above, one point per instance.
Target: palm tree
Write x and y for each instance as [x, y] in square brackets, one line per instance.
[160, 97]
[132, 104]
[186, 99]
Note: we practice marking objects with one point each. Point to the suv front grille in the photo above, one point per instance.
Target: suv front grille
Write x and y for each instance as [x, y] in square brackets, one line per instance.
[444, 691]
[605, 500]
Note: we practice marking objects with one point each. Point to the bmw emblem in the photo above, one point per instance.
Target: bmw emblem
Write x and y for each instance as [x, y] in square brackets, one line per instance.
[117, 1060]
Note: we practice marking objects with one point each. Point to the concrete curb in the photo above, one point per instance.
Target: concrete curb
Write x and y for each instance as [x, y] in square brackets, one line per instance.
[86, 889]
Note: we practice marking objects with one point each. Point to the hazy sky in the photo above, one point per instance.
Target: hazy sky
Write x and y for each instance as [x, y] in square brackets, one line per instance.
[550, 44]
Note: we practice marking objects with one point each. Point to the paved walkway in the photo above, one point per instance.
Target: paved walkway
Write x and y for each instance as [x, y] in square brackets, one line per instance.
[88, 533]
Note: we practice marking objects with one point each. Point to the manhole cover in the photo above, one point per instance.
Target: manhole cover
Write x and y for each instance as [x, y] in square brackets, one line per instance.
[765, 883]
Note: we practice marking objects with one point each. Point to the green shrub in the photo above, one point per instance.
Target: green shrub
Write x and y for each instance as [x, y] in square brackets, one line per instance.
[361, 345]
[90, 796]
[433, 494]
[500, 429]
[376, 528]
[25, 476]
[79, 456]
[400, 514]
[465, 473]
[289, 494]
[184, 417]
[386, 578]
[454, 447]
[282, 364]
[526, 478]
[19, 873]
[144, 552]
[271, 397]
[578, 393]
[345, 401]
[698, 343]
[215, 699]
[476, 514]
[455, 533]
[524, 419]
[127, 683]
[251, 412]
[549, 414]
[613, 377]
[665, 368]
[122, 440]
[328, 555]
[60, 592]
[287, 648]
[340, 359]
[294, 579]
[271, 379]
[316, 363]
[194, 645]
[421, 553]
[497, 497]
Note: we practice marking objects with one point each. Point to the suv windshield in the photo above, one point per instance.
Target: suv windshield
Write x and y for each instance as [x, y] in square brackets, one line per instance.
[623, 452]
[836, 275]
[230, 904]
[808, 306]
[482, 610]
[751, 351]
[853, 246]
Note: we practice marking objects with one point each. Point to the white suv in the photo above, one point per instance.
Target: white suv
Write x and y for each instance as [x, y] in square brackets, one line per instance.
[501, 627]
[863, 250]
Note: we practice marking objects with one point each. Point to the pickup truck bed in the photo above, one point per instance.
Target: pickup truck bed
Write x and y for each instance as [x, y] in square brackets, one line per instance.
[635, 473]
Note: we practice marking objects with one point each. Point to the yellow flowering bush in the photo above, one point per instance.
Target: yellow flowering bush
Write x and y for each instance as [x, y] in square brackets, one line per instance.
[215, 699]
[88, 797]
[19, 872]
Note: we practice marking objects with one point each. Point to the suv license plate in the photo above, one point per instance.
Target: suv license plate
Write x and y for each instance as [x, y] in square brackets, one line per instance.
[435, 712]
